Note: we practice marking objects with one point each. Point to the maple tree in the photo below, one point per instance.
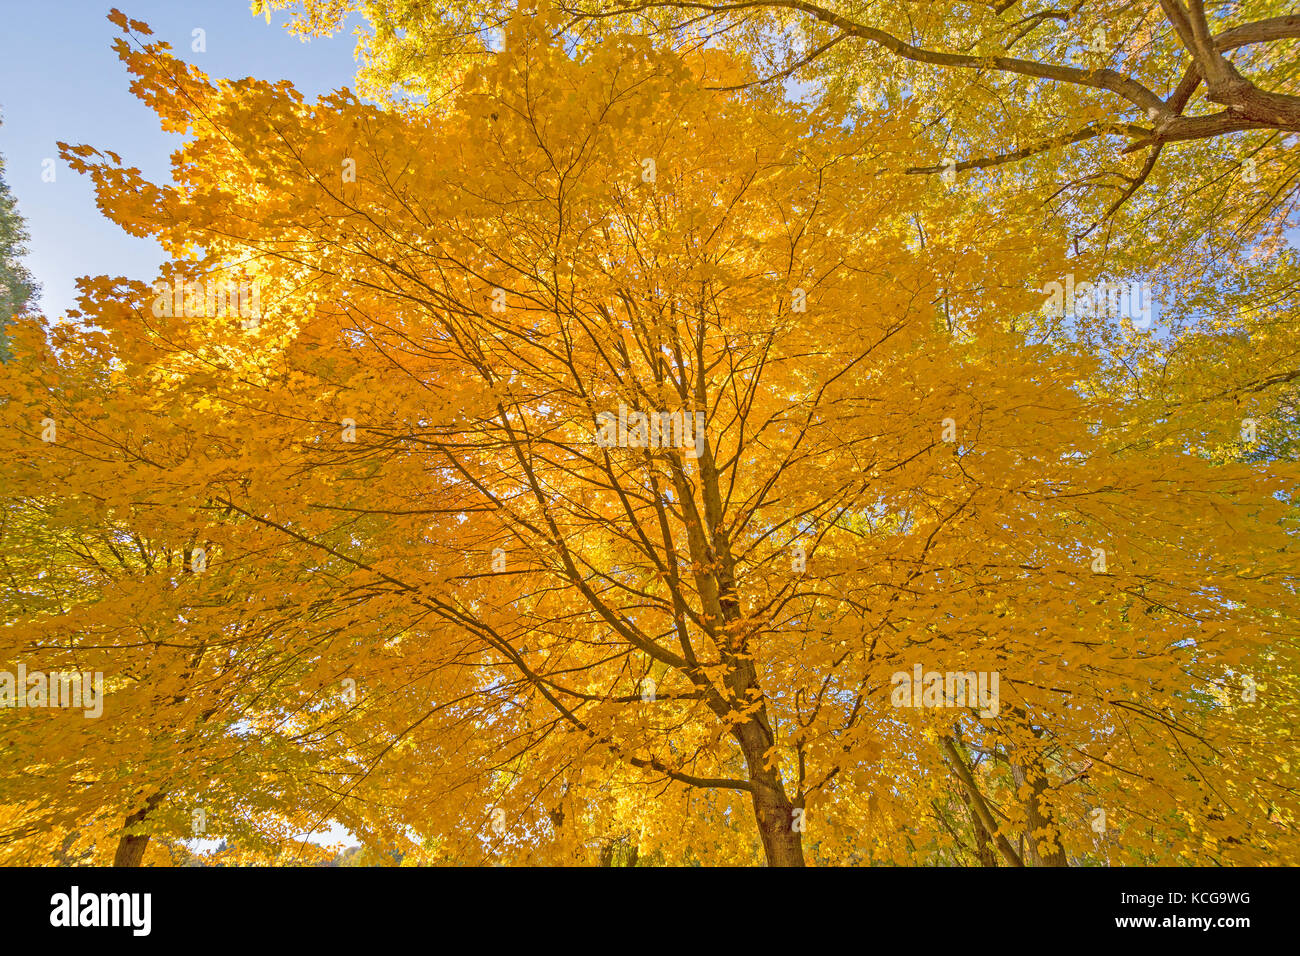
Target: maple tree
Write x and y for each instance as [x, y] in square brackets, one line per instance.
[1185, 48]
[1088, 107]
[611, 432]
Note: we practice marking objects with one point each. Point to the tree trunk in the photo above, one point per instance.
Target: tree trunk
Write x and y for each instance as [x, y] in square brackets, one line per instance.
[779, 826]
[609, 852]
[130, 848]
[1039, 821]
[978, 804]
[984, 851]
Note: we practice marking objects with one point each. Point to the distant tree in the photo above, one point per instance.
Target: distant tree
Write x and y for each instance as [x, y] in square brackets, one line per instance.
[17, 287]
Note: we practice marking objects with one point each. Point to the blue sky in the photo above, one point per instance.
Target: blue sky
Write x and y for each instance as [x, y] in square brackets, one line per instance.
[61, 80]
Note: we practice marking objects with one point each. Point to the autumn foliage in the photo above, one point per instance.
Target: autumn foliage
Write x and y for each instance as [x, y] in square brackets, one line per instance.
[363, 555]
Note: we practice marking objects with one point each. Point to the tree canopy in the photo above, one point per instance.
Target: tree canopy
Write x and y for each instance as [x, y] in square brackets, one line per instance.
[592, 459]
